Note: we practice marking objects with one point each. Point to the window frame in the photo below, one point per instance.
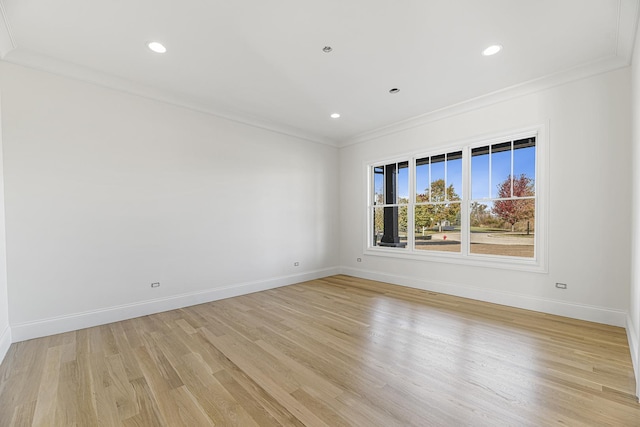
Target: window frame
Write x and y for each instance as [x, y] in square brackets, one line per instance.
[415, 203]
[536, 264]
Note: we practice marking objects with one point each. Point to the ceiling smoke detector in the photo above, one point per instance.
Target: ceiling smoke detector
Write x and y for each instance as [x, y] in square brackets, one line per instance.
[327, 49]
[394, 90]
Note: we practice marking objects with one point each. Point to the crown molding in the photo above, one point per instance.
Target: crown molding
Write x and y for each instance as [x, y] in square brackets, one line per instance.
[627, 26]
[7, 42]
[65, 69]
[532, 86]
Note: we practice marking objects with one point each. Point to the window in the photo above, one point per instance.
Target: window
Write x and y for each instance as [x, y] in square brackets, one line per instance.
[437, 210]
[477, 202]
[391, 201]
[503, 202]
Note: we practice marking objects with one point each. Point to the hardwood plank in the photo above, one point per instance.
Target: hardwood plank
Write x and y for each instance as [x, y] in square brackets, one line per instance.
[148, 412]
[263, 410]
[48, 390]
[121, 391]
[66, 408]
[85, 401]
[211, 396]
[188, 412]
[23, 415]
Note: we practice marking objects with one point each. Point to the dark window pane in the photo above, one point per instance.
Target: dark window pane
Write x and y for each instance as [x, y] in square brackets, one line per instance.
[499, 148]
[454, 156]
[524, 143]
[480, 151]
[390, 226]
[390, 183]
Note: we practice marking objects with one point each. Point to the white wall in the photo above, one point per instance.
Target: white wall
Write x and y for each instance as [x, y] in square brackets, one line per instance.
[5, 330]
[633, 323]
[588, 123]
[107, 193]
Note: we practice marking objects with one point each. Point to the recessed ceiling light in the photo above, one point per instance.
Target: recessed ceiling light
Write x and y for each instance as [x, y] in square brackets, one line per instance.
[492, 50]
[335, 116]
[327, 49]
[394, 90]
[157, 47]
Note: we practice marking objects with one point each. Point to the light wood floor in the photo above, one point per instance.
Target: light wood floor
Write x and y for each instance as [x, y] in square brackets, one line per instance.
[332, 352]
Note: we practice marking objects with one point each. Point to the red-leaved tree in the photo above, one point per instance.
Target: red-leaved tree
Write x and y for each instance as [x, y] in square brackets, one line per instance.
[515, 210]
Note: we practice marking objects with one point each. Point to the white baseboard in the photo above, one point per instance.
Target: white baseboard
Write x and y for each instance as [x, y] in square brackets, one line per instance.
[5, 342]
[561, 308]
[72, 322]
[634, 342]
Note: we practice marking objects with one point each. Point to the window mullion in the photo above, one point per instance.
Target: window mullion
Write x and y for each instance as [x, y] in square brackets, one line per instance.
[384, 185]
[410, 206]
[490, 170]
[397, 183]
[446, 156]
[465, 223]
[511, 172]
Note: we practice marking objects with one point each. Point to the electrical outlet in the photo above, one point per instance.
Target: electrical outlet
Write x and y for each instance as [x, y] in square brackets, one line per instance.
[155, 285]
[296, 264]
[561, 285]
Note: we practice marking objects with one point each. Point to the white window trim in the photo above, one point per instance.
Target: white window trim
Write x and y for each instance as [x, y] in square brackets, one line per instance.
[538, 264]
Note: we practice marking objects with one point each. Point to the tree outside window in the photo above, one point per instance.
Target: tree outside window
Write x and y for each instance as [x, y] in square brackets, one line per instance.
[420, 205]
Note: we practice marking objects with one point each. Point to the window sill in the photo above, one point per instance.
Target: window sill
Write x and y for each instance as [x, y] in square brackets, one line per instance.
[486, 261]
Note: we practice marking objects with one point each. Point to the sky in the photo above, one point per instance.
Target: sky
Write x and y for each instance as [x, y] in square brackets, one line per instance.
[484, 184]
[484, 178]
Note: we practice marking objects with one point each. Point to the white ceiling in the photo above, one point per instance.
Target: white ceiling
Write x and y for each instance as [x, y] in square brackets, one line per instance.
[261, 62]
